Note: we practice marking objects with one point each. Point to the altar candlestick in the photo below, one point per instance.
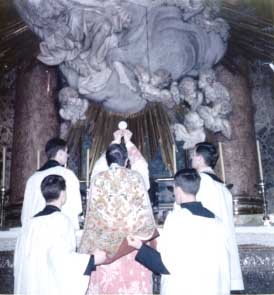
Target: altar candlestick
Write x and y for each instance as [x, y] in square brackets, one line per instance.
[3, 166]
[222, 161]
[87, 167]
[174, 159]
[38, 159]
[259, 161]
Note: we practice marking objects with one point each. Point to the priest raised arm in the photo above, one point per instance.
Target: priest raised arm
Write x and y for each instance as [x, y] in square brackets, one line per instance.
[137, 161]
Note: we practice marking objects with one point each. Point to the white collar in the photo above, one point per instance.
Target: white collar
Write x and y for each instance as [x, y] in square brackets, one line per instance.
[114, 166]
[208, 170]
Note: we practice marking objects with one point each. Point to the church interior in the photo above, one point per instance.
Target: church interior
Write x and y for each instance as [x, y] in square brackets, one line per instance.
[178, 72]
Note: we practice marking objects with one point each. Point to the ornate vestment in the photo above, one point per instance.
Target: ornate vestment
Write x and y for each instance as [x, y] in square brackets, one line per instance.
[118, 206]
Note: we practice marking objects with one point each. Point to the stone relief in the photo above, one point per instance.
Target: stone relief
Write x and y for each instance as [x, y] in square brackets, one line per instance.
[126, 54]
[191, 132]
[208, 105]
[72, 108]
[218, 107]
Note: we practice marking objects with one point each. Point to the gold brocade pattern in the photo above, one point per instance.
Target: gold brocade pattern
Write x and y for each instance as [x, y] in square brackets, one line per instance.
[118, 206]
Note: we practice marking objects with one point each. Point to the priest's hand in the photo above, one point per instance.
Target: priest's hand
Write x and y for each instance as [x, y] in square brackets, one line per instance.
[134, 242]
[99, 256]
[127, 135]
[117, 136]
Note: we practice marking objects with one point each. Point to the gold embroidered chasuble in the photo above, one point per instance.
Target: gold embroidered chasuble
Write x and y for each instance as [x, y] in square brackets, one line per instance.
[118, 205]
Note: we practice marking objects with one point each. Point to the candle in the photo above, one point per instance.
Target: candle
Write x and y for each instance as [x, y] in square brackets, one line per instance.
[174, 159]
[222, 161]
[3, 166]
[259, 161]
[38, 159]
[87, 167]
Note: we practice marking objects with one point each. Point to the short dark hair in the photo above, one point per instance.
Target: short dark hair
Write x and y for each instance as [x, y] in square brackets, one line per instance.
[53, 146]
[209, 153]
[188, 180]
[116, 153]
[51, 187]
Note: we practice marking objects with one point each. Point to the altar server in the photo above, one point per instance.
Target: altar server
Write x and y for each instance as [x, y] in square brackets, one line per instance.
[57, 153]
[193, 257]
[217, 198]
[45, 261]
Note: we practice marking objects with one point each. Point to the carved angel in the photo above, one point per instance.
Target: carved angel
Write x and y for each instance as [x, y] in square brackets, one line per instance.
[218, 102]
[213, 121]
[213, 90]
[154, 87]
[190, 94]
[191, 132]
[72, 107]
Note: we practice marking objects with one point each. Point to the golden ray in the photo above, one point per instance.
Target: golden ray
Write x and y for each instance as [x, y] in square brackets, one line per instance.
[150, 128]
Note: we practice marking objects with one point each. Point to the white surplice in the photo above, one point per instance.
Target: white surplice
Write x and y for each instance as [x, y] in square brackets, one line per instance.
[34, 201]
[194, 250]
[218, 199]
[45, 261]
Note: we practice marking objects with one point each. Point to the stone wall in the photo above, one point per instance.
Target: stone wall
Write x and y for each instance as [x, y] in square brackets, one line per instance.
[7, 98]
[261, 83]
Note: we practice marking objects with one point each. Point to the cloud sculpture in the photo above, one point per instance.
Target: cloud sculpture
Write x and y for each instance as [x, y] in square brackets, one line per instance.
[125, 54]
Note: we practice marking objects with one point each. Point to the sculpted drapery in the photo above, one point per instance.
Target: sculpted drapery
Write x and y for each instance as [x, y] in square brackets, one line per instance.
[100, 46]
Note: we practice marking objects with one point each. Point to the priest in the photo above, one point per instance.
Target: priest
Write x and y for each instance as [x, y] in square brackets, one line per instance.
[118, 205]
[57, 153]
[217, 198]
[45, 259]
[136, 159]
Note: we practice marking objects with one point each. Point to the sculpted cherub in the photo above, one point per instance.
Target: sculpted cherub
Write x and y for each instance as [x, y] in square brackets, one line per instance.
[153, 86]
[218, 106]
[190, 94]
[191, 132]
[72, 107]
[148, 91]
[213, 121]
[214, 92]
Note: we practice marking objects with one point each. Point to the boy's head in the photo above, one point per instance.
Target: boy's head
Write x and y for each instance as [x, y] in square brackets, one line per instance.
[117, 153]
[187, 184]
[57, 149]
[53, 189]
[205, 155]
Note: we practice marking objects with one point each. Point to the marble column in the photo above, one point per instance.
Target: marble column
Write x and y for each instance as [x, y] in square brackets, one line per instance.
[36, 121]
[240, 157]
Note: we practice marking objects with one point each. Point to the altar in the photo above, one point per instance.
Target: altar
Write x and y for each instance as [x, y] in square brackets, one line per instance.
[256, 247]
